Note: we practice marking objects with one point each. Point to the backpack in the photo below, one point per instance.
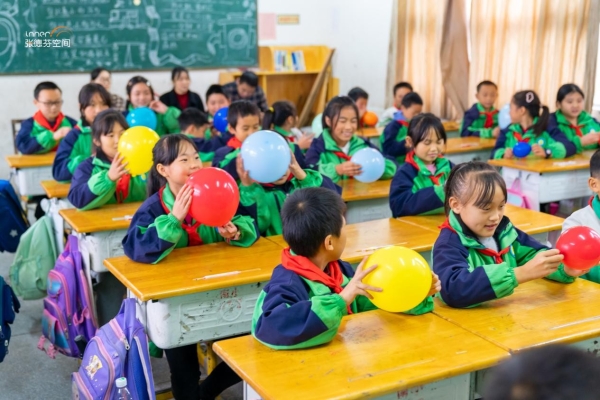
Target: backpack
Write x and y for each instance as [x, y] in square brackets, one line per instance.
[68, 313]
[120, 349]
[35, 257]
[9, 305]
[516, 197]
[13, 218]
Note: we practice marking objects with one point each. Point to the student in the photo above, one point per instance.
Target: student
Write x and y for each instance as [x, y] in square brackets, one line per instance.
[216, 100]
[244, 120]
[181, 97]
[312, 289]
[263, 202]
[418, 186]
[554, 372]
[481, 120]
[103, 77]
[141, 94]
[589, 216]
[282, 117]
[393, 140]
[42, 132]
[331, 152]
[361, 99]
[479, 255]
[400, 90]
[194, 123]
[578, 126]
[529, 126]
[76, 147]
[103, 178]
[246, 88]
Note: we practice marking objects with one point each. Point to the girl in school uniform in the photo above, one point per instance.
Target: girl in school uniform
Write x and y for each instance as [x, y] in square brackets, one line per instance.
[103, 178]
[282, 117]
[141, 94]
[479, 255]
[331, 152]
[529, 126]
[418, 186]
[573, 121]
[77, 145]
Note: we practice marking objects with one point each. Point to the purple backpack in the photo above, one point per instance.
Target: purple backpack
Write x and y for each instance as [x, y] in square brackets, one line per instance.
[68, 314]
[120, 349]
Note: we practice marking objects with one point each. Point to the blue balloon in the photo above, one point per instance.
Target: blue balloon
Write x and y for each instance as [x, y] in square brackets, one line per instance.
[521, 149]
[504, 117]
[266, 156]
[220, 120]
[372, 164]
[142, 116]
[317, 125]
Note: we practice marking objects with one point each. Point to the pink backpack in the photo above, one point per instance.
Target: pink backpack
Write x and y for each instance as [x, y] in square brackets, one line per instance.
[516, 196]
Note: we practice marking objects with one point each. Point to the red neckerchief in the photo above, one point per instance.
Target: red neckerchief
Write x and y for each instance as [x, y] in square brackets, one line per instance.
[590, 201]
[410, 159]
[342, 155]
[234, 142]
[489, 118]
[123, 188]
[519, 137]
[192, 230]
[577, 129]
[403, 122]
[270, 185]
[40, 119]
[486, 252]
[302, 266]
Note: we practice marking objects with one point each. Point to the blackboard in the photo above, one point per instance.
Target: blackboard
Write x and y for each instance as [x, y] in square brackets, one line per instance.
[39, 36]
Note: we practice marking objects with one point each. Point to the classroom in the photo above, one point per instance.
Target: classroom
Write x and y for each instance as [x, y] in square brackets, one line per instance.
[266, 199]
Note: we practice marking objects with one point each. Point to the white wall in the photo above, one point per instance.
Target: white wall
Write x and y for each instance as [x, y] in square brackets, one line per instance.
[358, 29]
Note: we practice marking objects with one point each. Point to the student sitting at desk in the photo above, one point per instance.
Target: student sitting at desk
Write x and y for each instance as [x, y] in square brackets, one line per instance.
[529, 126]
[400, 90]
[479, 255]
[77, 145]
[572, 120]
[103, 178]
[418, 186]
[42, 133]
[331, 152]
[216, 100]
[481, 120]
[282, 117]
[361, 99]
[393, 139]
[194, 123]
[312, 289]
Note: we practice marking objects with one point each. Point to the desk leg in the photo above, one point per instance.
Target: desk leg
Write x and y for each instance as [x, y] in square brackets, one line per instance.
[249, 393]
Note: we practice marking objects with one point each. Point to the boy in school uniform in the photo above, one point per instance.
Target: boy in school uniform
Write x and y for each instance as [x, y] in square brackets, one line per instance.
[481, 120]
[361, 99]
[312, 289]
[42, 132]
[393, 140]
[194, 123]
[216, 99]
[400, 90]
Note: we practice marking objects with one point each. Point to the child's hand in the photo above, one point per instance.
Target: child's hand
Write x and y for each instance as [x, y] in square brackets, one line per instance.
[542, 265]
[305, 140]
[61, 133]
[538, 150]
[590, 138]
[496, 132]
[117, 168]
[183, 200]
[242, 173]
[356, 287]
[214, 132]
[158, 106]
[295, 168]
[229, 231]
[575, 272]
[436, 285]
[348, 168]
[508, 153]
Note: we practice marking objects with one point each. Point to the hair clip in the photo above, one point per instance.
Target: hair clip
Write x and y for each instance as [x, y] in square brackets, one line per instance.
[529, 97]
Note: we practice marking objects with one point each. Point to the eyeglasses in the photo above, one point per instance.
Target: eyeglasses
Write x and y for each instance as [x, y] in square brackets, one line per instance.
[51, 104]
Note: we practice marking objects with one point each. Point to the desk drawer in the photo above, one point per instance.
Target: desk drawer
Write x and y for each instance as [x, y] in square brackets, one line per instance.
[28, 180]
[102, 245]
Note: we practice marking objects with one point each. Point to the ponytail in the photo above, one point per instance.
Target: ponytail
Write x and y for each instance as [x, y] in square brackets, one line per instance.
[278, 114]
[531, 102]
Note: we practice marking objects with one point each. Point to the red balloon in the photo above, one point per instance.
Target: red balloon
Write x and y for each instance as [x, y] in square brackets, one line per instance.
[580, 246]
[215, 196]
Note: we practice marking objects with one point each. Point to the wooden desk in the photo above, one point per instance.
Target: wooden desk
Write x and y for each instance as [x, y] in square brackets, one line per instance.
[366, 201]
[55, 190]
[460, 150]
[30, 170]
[364, 238]
[539, 312]
[545, 181]
[374, 354]
[451, 126]
[371, 132]
[183, 304]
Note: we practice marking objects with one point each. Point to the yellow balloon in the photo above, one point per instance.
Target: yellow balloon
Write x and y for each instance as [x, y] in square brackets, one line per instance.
[404, 276]
[135, 146]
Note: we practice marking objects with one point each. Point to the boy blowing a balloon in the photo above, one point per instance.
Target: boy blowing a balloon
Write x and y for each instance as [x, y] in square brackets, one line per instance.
[312, 289]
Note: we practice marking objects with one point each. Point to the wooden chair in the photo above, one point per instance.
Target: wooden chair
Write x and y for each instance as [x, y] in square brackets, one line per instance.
[16, 126]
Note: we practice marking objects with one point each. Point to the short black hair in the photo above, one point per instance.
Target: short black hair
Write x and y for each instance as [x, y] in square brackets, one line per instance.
[192, 117]
[421, 125]
[310, 215]
[97, 71]
[249, 78]
[215, 89]
[240, 109]
[411, 99]
[566, 90]
[554, 372]
[177, 71]
[595, 165]
[44, 86]
[486, 83]
[358, 93]
[401, 85]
